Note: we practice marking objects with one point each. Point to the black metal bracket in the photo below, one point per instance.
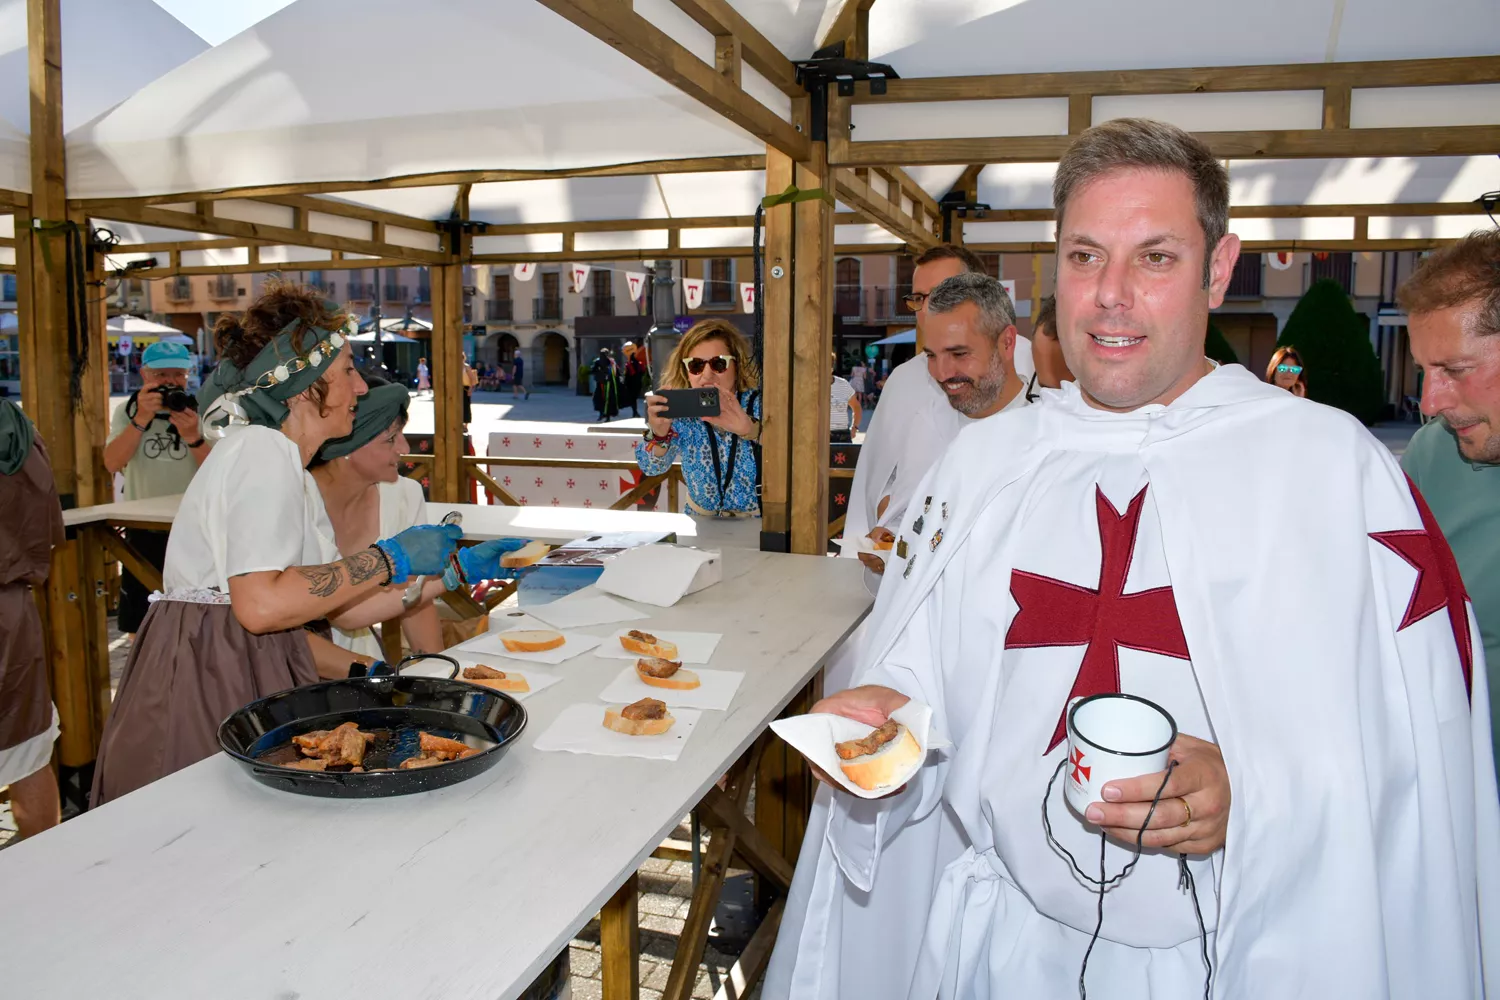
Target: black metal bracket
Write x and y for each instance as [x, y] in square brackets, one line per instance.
[455, 228]
[828, 65]
[955, 204]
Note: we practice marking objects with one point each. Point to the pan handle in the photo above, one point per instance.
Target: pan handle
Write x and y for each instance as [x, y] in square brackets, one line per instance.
[427, 656]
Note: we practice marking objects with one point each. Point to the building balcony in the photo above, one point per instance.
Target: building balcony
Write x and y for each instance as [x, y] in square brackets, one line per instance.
[599, 307]
[499, 310]
[546, 308]
[221, 287]
[361, 292]
[849, 302]
[396, 293]
[179, 289]
[325, 287]
[887, 305]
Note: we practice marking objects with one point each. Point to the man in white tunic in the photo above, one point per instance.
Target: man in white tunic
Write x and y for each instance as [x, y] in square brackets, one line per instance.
[1345, 842]
[920, 409]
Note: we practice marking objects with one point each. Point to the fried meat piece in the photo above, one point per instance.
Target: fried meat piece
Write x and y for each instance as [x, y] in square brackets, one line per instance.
[309, 764]
[655, 666]
[445, 748]
[335, 747]
[420, 760]
[850, 749]
[483, 672]
[640, 636]
[644, 710]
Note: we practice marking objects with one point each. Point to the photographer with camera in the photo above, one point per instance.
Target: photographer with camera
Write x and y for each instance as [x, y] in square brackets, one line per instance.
[156, 441]
[719, 450]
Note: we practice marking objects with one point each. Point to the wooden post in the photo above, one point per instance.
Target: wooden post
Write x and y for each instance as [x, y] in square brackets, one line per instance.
[91, 416]
[776, 376]
[620, 942]
[448, 478]
[812, 366]
[784, 792]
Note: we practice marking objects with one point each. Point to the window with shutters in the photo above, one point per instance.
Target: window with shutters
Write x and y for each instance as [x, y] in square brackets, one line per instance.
[718, 290]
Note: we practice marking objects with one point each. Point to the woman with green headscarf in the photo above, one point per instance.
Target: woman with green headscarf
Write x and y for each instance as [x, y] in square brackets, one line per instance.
[366, 497]
[245, 570]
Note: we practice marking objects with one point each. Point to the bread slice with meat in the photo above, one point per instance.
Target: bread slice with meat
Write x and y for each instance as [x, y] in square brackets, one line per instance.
[647, 717]
[657, 672]
[885, 765]
[528, 554]
[646, 644]
[485, 675]
[537, 640]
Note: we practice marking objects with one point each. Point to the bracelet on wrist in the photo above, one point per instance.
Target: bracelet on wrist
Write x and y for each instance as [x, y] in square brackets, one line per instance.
[194, 444]
[390, 567]
[139, 427]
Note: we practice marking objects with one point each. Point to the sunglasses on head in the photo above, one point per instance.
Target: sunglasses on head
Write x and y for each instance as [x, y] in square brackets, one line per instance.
[719, 363]
[1290, 369]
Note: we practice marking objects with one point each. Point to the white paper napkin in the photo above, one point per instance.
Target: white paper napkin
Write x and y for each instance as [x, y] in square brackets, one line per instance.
[490, 645]
[851, 547]
[538, 679]
[504, 621]
[692, 647]
[583, 609]
[716, 692]
[653, 574]
[813, 736]
[580, 729]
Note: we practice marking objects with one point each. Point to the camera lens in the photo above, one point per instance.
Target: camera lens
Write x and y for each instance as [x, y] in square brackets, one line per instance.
[177, 400]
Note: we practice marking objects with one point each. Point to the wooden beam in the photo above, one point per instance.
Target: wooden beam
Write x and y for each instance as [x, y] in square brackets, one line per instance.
[1080, 112]
[675, 252]
[852, 27]
[262, 233]
[1406, 210]
[444, 178]
[968, 181]
[617, 225]
[347, 210]
[812, 366]
[11, 200]
[263, 267]
[1207, 80]
[729, 58]
[776, 361]
[918, 194]
[883, 211]
[229, 243]
[449, 481]
[720, 19]
[1253, 246]
[1336, 101]
[620, 942]
[632, 35]
[1451, 140]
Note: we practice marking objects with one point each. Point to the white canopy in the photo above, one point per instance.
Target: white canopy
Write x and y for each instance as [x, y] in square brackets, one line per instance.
[111, 48]
[135, 326]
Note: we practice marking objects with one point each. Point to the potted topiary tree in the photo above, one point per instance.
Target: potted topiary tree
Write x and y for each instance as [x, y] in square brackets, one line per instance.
[1338, 360]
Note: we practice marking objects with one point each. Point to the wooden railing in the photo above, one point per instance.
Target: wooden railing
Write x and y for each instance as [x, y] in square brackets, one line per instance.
[474, 468]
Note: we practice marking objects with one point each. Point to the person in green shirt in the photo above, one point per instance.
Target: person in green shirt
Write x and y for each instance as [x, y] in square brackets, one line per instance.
[1453, 318]
[158, 449]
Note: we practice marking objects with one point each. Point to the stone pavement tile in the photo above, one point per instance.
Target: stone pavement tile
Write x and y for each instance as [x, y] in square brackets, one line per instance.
[663, 925]
[661, 866]
[586, 989]
[656, 978]
[661, 946]
[705, 987]
[584, 963]
[659, 904]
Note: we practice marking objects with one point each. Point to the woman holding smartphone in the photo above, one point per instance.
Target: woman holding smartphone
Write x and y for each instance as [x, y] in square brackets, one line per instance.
[719, 455]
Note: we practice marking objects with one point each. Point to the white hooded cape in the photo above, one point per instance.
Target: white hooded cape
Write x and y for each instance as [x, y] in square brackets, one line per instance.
[1364, 834]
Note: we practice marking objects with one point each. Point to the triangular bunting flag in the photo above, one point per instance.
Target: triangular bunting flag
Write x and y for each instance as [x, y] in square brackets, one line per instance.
[580, 275]
[693, 289]
[747, 295]
[524, 272]
[636, 281]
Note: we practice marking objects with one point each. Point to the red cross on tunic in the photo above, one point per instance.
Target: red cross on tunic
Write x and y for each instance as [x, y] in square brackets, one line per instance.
[1439, 586]
[1054, 613]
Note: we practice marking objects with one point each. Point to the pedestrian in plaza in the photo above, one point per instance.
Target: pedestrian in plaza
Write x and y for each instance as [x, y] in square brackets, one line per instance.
[471, 379]
[1453, 320]
[635, 376]
[246, 572]
[1046, 350]
[1285, 371]
[424, 376]
[606, 385]
[156, 441]
[857, 380]
[719, 455]
[842, 400]
[518, 387]
[32, 525]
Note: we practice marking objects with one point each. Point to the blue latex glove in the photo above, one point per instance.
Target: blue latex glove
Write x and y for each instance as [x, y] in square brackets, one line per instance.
[480, 562]
[421, 550]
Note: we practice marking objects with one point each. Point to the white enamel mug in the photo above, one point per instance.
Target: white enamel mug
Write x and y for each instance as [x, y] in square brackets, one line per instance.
[1113, 736]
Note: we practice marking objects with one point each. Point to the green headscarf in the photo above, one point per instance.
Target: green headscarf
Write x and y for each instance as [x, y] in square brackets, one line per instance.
[377, 410]
[259, 393]
[16, 436]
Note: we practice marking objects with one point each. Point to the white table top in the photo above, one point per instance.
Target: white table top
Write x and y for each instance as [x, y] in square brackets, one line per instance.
[481, 521]
[207, 884]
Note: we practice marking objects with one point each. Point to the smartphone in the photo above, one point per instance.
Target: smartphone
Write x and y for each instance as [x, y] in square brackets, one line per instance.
[690, 402]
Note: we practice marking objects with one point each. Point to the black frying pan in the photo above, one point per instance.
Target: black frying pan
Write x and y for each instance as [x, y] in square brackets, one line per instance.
[396, 708]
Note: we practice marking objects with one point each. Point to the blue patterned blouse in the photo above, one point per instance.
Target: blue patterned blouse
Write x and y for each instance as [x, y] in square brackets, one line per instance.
[691, 447]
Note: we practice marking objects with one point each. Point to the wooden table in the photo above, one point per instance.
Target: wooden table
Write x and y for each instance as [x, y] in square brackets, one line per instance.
[209, 884]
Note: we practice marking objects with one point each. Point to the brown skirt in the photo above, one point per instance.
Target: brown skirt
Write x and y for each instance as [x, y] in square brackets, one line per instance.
[25, 700]
[191, 667]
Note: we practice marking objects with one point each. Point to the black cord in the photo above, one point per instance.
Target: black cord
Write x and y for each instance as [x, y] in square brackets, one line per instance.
[1106, 883]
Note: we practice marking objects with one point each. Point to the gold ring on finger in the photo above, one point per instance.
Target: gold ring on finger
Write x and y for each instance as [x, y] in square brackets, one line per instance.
[1187, 809]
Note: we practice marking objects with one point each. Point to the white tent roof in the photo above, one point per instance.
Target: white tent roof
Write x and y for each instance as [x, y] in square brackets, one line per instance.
[272, 106]
[135, 326]
[111, 48]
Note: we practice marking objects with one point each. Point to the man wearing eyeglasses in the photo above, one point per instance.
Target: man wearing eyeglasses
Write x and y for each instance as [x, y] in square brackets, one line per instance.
[917, 416]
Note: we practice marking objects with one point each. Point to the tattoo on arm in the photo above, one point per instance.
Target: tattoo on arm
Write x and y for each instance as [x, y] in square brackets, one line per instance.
[367, 564]
[324, 581]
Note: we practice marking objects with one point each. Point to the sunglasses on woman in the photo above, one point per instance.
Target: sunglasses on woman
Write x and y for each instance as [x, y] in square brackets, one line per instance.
[719, 363]
[1290, 369]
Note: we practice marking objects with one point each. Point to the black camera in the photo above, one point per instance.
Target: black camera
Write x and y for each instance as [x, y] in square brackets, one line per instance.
[177, 399]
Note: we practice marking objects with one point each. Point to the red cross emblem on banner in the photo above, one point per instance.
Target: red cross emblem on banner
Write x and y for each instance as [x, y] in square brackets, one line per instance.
[1077, 761]
[1439, 586]
[1104, 618]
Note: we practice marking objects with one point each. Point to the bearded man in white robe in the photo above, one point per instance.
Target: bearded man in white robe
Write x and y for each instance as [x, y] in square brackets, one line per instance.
[1334, 795]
